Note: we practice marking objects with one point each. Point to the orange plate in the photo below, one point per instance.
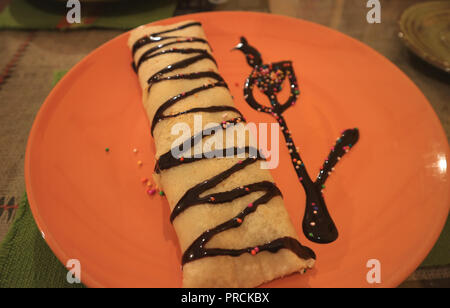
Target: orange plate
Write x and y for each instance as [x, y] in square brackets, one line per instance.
[389, 196]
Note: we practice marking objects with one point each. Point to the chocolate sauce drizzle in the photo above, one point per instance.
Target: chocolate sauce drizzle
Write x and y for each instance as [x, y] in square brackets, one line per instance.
[317, 225]
[197, 249]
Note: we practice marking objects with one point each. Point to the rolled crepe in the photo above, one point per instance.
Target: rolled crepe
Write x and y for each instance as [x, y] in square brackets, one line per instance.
[229, 216]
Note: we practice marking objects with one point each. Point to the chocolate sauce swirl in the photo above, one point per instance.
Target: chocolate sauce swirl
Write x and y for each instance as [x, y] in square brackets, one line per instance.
[317, 223]
[197, 249]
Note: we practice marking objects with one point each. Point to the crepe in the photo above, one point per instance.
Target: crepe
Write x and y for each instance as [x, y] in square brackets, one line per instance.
[229, 216]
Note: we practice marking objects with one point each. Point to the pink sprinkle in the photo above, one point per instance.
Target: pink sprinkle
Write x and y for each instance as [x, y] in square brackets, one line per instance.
[151, 191]
[250, 205]
[313, 203]
[240, 162]
[300, 178]
[256, 249]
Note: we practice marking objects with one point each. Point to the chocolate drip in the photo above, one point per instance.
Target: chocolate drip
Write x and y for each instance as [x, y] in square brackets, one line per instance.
[146, 56]
[180, 64]
[317, 223]
[176, 40]
[172, 101]
[166, 161]
[191, 76]
[211, 109]
[155, 37]
[343, 144]
[198, 250]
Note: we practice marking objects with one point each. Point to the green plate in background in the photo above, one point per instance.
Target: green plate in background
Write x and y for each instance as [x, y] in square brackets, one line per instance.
[425, 29]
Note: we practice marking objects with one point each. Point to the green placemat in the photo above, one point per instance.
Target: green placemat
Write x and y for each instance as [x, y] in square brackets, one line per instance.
[51, 14]
[27, 261]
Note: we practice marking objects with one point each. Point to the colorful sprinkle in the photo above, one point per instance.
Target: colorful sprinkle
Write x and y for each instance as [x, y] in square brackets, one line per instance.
[135, 150]
[107, 150]
[161, 193]
[250, 205]
[151, 191]
[239, 220]
[139, 163]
